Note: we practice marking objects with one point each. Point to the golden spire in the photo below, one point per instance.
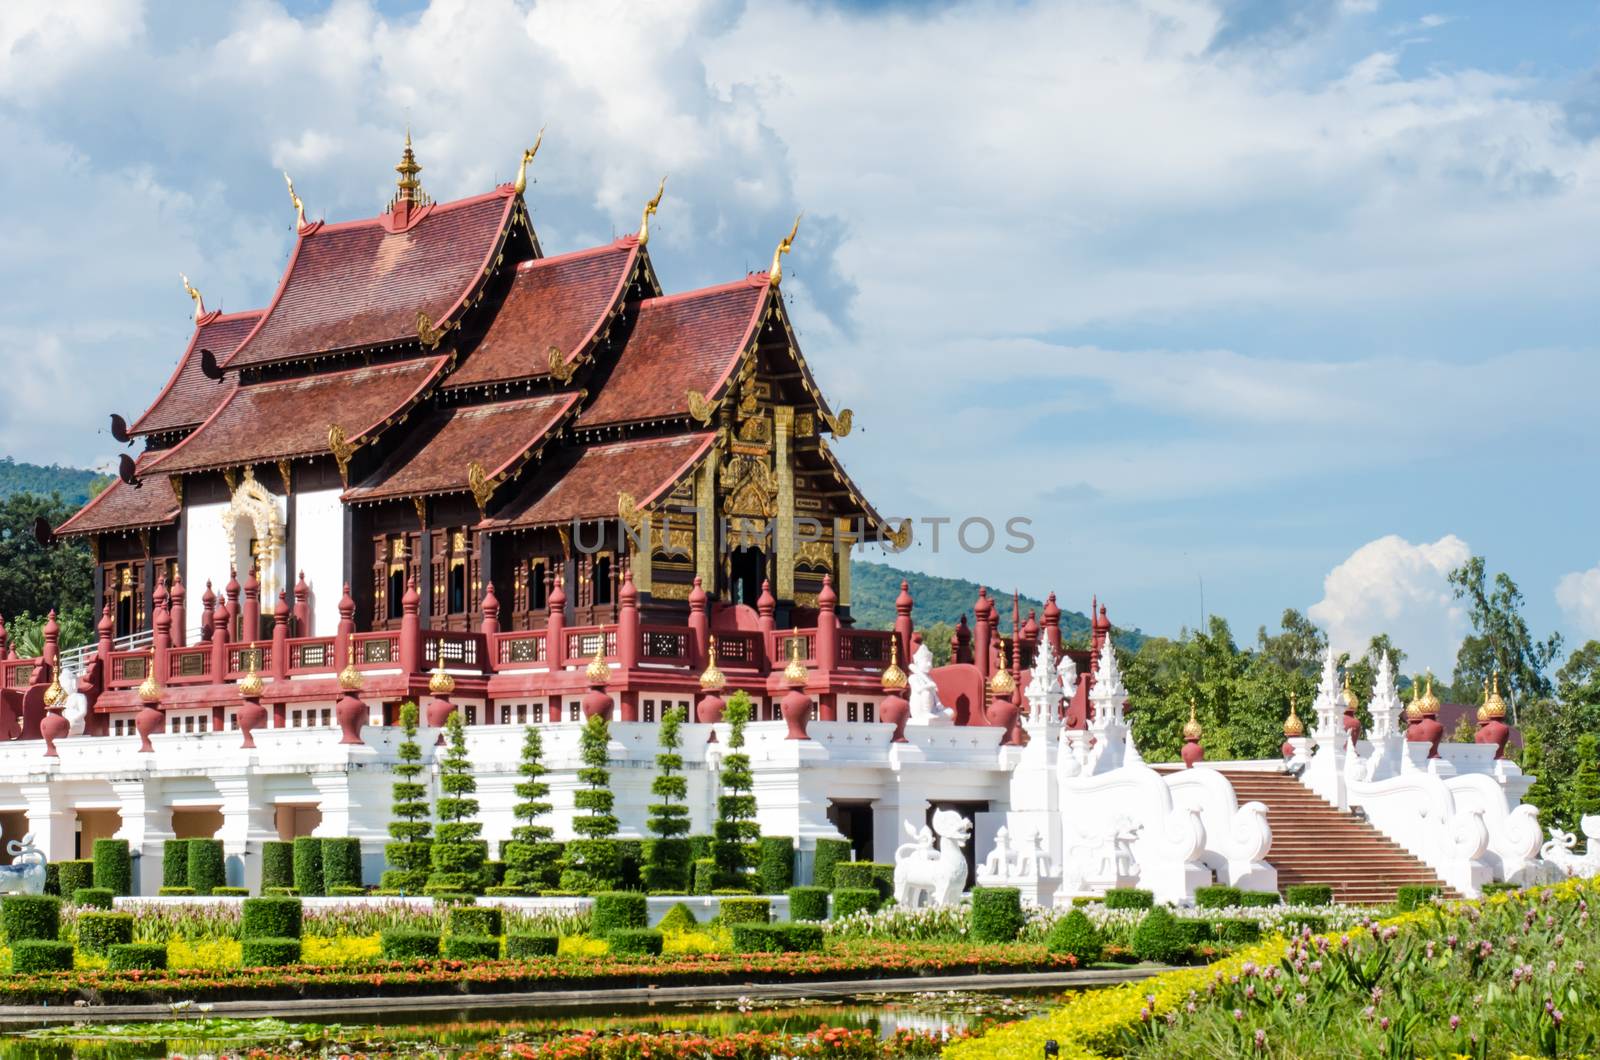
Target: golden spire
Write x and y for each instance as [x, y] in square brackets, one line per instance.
[894, 678]
[150, 689]
[439, 682]
[199, 302]
[1293, 727]
[1494, 707]
[1191, 728]
[712, 680]
[408, 187]
[795, 673]
[1414, 708]
[1430, 702]
[250, 685]
[599, 673]
[299, 207]
[650, 208]
[521, 184]
[1002, 683]
[350, 677]
[775, 274]
[1351, 700]
[55, 693]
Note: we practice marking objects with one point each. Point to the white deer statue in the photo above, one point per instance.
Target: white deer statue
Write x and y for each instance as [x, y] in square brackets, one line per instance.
[923, 876]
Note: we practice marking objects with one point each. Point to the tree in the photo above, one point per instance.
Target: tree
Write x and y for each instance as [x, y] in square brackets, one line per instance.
[1500, 639]
[593, 862]
[1578, 680]
[736, 834]
[1552, 733]
[531, 857]
[1298, 648]
[409, 852]
[457, 852]
[34, 579]
[1585, 797]
[667, 858]
[1539, 795]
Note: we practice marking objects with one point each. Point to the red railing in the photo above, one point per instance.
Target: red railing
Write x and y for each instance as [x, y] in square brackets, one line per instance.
[18, 673]
[583, 641]
[864, 649]
[313, 655]
[665, 644]
[457, 651]
[518, 649]
[189, 666]
[739, 651]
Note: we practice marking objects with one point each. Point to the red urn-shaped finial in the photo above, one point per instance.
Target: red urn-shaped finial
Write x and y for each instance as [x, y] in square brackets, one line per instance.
[491, 611]
[1192, 751]
[596, 701]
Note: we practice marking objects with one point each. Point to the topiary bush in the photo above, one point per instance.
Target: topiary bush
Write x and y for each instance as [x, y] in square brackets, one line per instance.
[705, 875]
[270, 918]
[1160, 937]
[98, 932]
[853, 874]
[277, 864]
[745, 911]
[471, 948]
[849, 900]
[1236, 930]
[175, 863]
[137, 956]
[777, 938]
[75, 876]
[41, 955]
[679, 918]
[774, 864]
[1194, 932]
[1415, 895]
[403, 945]
[30, 916]
[230, 892]
[1498, 888]
[92, 897]
[636, 942]
[308, 866]
[1309, 894]
[343, 890]
[268, 952]
[1304, 922]
[483, 921]
[113, 865]
[341, 863]
[808, 903]
[1129, 898]
[52, 878]
[207, 869]
[1218, 896]
[522, 947]
[830, 852]
[618, 910]
[1076, 936]
[176, 892]
[1259, 899]
[996, 914]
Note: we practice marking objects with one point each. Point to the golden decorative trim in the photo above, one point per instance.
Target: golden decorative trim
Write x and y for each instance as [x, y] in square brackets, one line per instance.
[343, 449]
[700, 408]
[805, 425]
[748, 402]
[521, 184]
[650, 208]
[230, 476]
[481, 485]
[566, 542]
[559, 368]
[421, 504]
[816, 554]
[199, 302]
[806, 600]
[671, 590]
[901, 538]
[177, 486]
[429, 335]
[840, 425]
[775, 274]
[299, 207]
[284, 474]
[628, 511]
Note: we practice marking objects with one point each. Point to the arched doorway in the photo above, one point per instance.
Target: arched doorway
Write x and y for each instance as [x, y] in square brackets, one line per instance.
[255, 535]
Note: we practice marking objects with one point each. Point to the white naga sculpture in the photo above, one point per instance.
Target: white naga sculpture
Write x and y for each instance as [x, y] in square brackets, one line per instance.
[25, 874]
[925, 706]
[1559, 851]
[923, 876]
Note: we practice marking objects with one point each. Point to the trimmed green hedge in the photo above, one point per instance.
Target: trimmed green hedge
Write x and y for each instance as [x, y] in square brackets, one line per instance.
[1499, 888]
[1259, 899]
[176, 892]
[268, 952]
[93, 897]
[1218, 896]
[1415, 895]
[774, 864]
[230, 892]
[52, 878]
[484, 921]
[402, 945]
[1160, 936]
[74, 876]
[1309, 894]
[207, 869]
[471, 948]
[700, 846]
[270, 918]
[308, 866]
[526, 946]
[41, 955]
[1076, 936]
[745, 911]
[277, 864]
[636, 942]
[1306, 922]
[996, 914]
[1194, 932]
[341, 863]
[137, 956]
[343, 890]
[679, 918]
[113, 865]
[830, 852]
[98, 932]
[705, 875]
[808, 903]
[617, 911]
[782, 937]
[280, 892]
[849, 900]
[1235, 930]
[30, 916]
[175, 863]
[1129, 898]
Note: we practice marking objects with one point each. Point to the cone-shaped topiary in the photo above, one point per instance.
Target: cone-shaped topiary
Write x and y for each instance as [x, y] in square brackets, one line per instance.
[1159, 937]
[456, 852]
[532, 859]
[736, 832]
[593, 862]
[667, 857]
[1076, 936]
[409, 829]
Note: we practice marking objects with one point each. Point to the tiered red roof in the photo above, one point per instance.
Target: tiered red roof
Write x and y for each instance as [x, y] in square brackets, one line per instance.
[189, 397]
[123, 507]
[584, 483]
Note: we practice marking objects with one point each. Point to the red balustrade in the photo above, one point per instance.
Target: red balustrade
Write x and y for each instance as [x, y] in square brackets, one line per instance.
[864, 649]
[458, 651]
[665, 644]
[582, 642]
[189, 666]
[510, 650]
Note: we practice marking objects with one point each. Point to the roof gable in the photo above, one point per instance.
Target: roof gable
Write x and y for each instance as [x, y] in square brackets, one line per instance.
[189, 396]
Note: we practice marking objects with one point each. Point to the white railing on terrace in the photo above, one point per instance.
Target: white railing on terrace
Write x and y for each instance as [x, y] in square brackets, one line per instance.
[75, 659]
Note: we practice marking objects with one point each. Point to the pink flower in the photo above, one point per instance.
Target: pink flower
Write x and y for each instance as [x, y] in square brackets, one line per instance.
[1455, 1021]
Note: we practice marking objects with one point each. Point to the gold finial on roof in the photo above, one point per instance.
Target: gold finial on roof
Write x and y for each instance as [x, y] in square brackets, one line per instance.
[712, 680]
[1494, 706]
[55, 693]
[299, 207]
[408, 188]
[650, 208]
[1191, 728]
[894, 678]
[1351, 700]
[439, 682]
[1414, 708]
[1293, 727]
[1430, 702]
[795, 673]
[350, 677]
[521, 184]
[150, 689]
[199, 302]
[1002, 683]
[775, 274]
[250, 685]
[599, 672]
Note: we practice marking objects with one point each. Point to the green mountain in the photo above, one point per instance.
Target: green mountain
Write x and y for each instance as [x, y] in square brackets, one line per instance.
[74, 485]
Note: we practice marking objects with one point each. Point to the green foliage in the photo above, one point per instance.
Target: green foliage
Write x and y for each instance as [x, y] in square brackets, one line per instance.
[1129, 898]
[1160, 937]
[457, 853]
[1584, 798]
[74, 486]
[471, 948]
[1076, 936]
[74, 876]
[176, 892]
[113, 865]
[271, 918]
[402, 944]
[1308, 894]
[705, 875]
[668, 857]
[522, 947]
[615, 910]
[1259, 899]
[1311, 922]
[137, 956]
[678, 919]
[1218, 896]
[593, 862]
[268, 952]
[745, 911]
[1500, 639]
[774, 864]
[940, 601]
[533, 861]
[996, 914]
[35, 580]
[341, 863]
[175, 863]
[481, 920]
[1414, 895]
[700, 846]
[308, 866]
[52, 877]
[40, 955]
[1236, 930]
[409, 829]
[206, 869]
[783, 937]
[98, 932]
[30, 916]
[850, 900]
[1498, 887]
[736, 831]
[808, 903]
[636, 942]
[865, 874]
[93, 897]
[230, 892]
[830, 852]
[277, 864]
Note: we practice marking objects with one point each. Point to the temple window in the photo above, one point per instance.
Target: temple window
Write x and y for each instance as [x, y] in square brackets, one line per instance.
[649, 710]
[574, 711]
[538, 580]
[602, 579]
[852, 712]
[868, 712]
[538, 713]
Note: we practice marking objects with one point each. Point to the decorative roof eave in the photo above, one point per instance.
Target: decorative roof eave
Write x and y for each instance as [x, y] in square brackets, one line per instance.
[201, 323]
[807, 381]
[71, 527]
[836, 469]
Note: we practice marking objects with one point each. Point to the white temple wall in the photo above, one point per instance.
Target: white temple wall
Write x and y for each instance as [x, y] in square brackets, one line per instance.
[205, 558]
[319, 552]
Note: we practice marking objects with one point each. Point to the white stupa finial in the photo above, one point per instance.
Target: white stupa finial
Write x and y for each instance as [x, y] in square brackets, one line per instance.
[1385, 705]
[1044, 691]
[1329, 704]
[1109, 693]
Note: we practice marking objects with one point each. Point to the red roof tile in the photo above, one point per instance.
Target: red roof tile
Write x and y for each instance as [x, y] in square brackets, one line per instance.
[435, 458]
[189, 397]
[679, 343]
[561, 302]
[290, 418]
[124, 507]
[584, 483]
[358, 284]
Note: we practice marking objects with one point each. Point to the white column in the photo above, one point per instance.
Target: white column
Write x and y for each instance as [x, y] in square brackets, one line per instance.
[247, 822]
[51, 823]
[146, 825]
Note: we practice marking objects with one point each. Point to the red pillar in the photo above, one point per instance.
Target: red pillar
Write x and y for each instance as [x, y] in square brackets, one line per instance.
[231, 591]
[176, 601]
[52, 641]
[982, 648]
[410, 629]
[903, 626]
[347, 629]
[208, 607]
[961, 648]
[491, 613]
[699, 626]
[219, 644]
[161, 642]
[629, 646]
[106, 633]
[280, 638]
[302, 607]
[827, 646]
[251, 630]
[555, 626]
[767, 623]
[1052, 627]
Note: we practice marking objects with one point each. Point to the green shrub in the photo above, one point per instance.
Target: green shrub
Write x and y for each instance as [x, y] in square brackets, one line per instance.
[1076, 936]
[137, 956]
[98, 932]
[1236, 930]
[483, 921]
[525, 947]
[853, 874]
[1308, 894]
[471, 948]
[830, 852]
[40, 955]
[679, 918]
[777, 938]
[113, 865]
[1160, 936]
[1259, 899]
[280, 892]
[270, 918]
[175, 863]
[808, 903]
[1499, 888]
[848, 900]
[52, 878]
[268, 952]
[617, 910]
[277, 865]
[774, 864]
[93, 897]
[732, 892]
[493, 874]
[403, 945]
[1306, 921]
[636, 942]
[745, 911]
[1195, 932]
[700, 847]
[705, 875]
[1218, 896]
[176, 892]
[630, 864]
[1080, 900]
[30, 916]
[1129, 898]
[341, 863]
[308, 865]
[230, 892]
[207, 869]
[996, 914]
[75, 876]
[667, 864]
[342, 890]
[1415, 895]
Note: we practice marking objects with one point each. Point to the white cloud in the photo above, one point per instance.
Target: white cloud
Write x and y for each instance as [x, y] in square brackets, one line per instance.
[1578, 595]
[1392, 586]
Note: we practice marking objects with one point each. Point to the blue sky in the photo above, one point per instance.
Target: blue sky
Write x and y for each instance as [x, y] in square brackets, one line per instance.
[1296, 298]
